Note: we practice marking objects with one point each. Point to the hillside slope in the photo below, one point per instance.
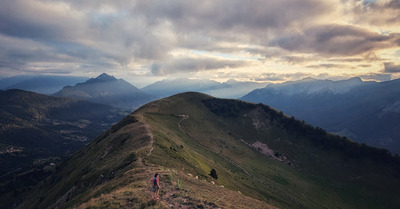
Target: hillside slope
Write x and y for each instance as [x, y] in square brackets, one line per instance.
[368, 112]
[34, 127]
[263, 159]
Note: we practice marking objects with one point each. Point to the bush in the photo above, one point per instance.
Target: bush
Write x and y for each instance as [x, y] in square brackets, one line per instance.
[213, 173]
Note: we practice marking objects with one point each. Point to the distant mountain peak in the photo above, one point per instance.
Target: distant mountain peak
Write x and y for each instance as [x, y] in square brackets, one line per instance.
[356, 79]
[308, 79]
[105, 77]
[232, 81]
[107, 89]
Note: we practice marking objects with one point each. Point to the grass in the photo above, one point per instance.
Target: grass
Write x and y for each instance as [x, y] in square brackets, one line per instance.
[214, 142]
[180, 138]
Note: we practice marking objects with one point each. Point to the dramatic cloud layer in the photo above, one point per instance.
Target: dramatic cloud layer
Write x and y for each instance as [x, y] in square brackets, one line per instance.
[337, 40]
[273, 40]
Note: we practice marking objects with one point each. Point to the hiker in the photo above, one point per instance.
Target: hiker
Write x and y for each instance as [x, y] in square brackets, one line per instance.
[156, 186]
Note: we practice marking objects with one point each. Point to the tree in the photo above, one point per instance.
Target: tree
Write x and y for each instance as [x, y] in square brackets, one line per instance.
[213, 173]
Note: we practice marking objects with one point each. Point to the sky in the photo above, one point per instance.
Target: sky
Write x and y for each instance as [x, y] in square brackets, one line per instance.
[143, 41]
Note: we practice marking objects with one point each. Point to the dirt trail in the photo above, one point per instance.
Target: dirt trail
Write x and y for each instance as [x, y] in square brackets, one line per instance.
[151, 136]
[172, 198]
[168, 199]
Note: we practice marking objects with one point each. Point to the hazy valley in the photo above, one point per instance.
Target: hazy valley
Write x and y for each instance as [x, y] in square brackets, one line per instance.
[36, 130]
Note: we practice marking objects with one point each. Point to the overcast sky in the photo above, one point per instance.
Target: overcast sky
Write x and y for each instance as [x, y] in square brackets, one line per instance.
[148, 40]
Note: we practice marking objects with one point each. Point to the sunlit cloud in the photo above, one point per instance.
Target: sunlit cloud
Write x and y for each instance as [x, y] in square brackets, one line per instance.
[247, 40]
[391, 67]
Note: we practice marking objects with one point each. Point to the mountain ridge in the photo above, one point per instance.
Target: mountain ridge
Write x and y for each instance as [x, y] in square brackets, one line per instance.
[311, 86]
[43, 84]
[365, 112]
[229, 89]
[185, 136]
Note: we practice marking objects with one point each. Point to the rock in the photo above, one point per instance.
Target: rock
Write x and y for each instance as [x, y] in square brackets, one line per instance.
[171, 205]
[197, 177]
[212, 182]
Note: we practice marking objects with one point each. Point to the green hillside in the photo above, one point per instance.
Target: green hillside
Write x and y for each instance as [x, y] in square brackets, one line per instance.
[262, 158]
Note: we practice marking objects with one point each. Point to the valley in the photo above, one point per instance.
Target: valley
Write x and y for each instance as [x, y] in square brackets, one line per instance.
[38, 130]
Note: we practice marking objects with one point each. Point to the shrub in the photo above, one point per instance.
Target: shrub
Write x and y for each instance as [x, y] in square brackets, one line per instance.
[213, 173]
[179, 183]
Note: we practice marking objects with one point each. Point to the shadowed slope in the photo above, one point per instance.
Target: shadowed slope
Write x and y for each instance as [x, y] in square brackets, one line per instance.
[368, 112]
[34, 127]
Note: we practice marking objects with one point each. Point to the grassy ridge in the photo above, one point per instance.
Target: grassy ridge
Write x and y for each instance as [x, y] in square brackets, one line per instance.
[185, 136]
[325, 171]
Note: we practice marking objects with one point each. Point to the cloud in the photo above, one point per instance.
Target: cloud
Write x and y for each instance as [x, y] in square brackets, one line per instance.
[230, 14]
[40, 20]
[210, 25]
[147, 37]
[280, 77]
[295, 59]
[102, 35]
[329, 65]
[390, 67]
[190, 65]
[380, 13]
[376, 77]
[350, 59]
[33, 33]
[336, 40]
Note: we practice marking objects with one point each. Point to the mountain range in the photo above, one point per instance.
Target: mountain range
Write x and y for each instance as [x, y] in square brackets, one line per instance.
[368, 112]
[230, 89]
[83, 87]
[36, 128]
[44, 84]
[216, 153]
[106, 89]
